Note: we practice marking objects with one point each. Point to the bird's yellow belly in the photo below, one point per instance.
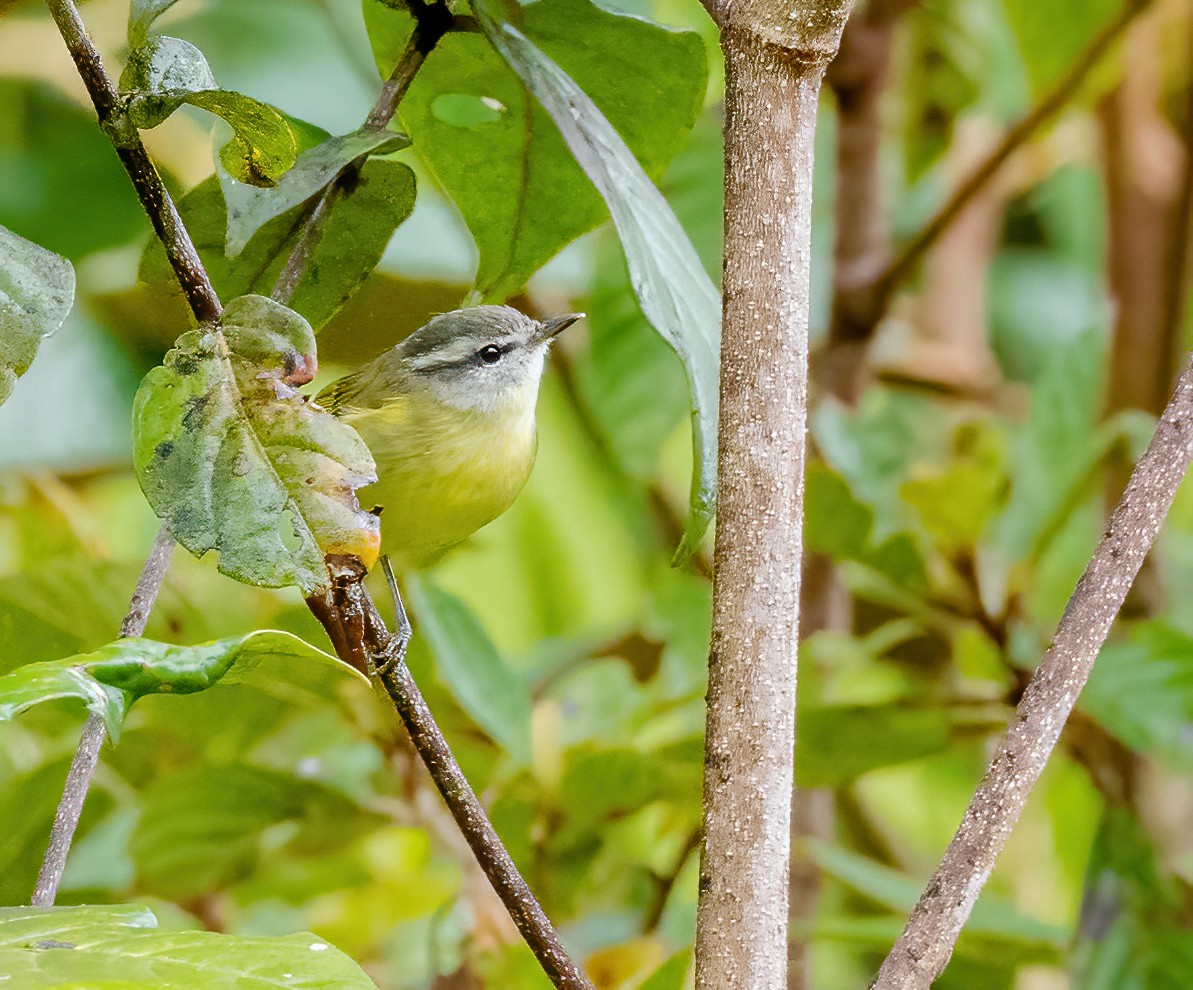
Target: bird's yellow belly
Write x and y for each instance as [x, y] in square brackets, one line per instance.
[443, 473]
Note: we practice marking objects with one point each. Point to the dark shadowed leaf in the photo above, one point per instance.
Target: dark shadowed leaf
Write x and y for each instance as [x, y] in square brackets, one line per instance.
[121, 947]
[37, 289]
[354, 238]
[235, 459]
[484, 685]
[250, 208]
[676, 294]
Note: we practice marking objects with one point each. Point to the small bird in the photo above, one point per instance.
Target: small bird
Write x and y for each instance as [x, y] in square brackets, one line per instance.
[448, 414]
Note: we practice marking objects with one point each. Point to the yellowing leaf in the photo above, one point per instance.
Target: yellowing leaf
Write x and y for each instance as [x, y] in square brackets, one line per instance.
[233, 458]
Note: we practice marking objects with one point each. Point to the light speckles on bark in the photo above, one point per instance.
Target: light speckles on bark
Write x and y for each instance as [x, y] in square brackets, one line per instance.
[774, 60]
[924, 948]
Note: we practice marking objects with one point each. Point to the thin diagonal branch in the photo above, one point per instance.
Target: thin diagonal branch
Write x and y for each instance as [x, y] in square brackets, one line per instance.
[856, 317]
[432, 22]
[86, 758]
[924, 948]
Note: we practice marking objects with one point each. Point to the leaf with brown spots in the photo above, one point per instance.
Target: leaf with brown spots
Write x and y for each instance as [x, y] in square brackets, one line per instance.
[233, 458]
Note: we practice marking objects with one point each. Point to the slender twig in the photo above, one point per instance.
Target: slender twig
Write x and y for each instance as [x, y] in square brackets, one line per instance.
[82, 767]
[432, 22]
[871, 301]
[184, 259]
[205, 304]
[923, 949]
[1014, 138]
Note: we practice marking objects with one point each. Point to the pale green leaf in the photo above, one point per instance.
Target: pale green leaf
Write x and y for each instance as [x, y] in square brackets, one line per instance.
[485, 686]
[71, 948]
[141, 15]
[37, 289]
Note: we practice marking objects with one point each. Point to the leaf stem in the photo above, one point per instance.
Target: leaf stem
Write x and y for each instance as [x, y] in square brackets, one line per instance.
[432, 22]
[923, 949]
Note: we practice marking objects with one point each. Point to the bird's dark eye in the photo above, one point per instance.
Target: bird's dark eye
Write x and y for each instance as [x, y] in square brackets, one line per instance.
[490, 353]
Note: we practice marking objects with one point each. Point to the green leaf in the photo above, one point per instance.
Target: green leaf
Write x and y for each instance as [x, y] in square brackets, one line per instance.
[487, 689]
[233, 458]
[163, 73]
[672, 975]
[354, 238]
[121, 948]
[677, 296]
[838, 743]
[110, 679]
[37, 289]
[141, 15]
[389, 25]
[250, 208]
[201, 826]
[992, 917]
[1052, 33]
[1141, 690]
[505, 164]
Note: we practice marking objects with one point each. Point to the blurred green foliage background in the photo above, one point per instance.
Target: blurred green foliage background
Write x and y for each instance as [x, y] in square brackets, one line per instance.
[949, 511]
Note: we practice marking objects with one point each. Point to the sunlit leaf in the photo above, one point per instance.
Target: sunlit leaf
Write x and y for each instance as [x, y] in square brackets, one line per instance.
[121, 947]
[838, 743]
[676, 295]
[486, 687]
[163, 73]
[37, 289]
[250, 208]
[110, 679]
[235, 459]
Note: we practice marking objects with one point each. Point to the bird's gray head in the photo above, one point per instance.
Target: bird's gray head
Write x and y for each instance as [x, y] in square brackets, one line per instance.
[486, 357]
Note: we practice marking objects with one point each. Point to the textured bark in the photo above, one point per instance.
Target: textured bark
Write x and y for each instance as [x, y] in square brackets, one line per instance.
[774, 62]
[924, 948]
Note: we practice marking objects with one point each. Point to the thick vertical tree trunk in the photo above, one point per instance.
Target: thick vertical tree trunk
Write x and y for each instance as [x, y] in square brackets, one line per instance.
[775, 56]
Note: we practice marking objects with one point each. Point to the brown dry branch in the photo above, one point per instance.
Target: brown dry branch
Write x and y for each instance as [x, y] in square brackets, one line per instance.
[856, 316]
[775, 56]
[924, 947]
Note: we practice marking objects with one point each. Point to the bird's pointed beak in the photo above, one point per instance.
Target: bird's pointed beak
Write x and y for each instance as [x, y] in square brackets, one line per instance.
[550, 329]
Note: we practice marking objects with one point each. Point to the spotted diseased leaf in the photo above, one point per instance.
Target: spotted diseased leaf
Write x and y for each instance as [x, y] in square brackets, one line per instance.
[233, 458]
[162, 73]
[37, 289]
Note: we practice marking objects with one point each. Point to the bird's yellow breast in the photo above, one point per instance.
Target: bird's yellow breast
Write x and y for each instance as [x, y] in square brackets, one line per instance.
[443, 472]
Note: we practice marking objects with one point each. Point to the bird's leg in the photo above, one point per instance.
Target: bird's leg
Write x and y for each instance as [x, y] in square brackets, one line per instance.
[395, 652]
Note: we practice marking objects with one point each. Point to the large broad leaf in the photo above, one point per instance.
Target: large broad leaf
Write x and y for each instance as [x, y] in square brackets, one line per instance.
[676, 294]
[162, 73]
[233, 458]
[500, 157]
[120, 946]
[353, 240]
[487, 689]
[250, 208]
[110, 679]
[37, 289]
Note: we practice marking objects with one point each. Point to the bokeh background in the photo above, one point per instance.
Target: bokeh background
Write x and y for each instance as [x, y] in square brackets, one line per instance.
[956, 491]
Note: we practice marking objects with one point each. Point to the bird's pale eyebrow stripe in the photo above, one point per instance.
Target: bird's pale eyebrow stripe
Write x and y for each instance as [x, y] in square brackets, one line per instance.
[449, 352]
